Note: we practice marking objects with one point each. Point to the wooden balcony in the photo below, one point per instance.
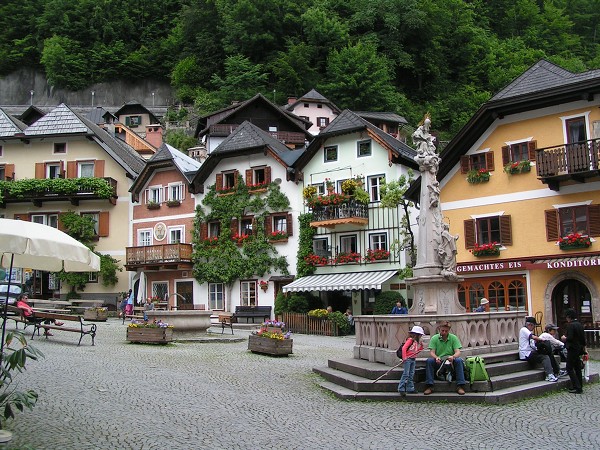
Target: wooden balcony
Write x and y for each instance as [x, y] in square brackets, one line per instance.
[287, 137]
[66, 193]
[346, 213]
[578, 162]
[159, 257]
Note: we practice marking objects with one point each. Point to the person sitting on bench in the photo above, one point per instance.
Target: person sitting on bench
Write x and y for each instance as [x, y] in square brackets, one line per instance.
[28, 311]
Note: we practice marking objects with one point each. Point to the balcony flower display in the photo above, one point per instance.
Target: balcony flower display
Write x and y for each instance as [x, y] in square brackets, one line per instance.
[257, 186]
[518, 167]
[240, 238]
[278, 235]
[376, 255]
[309, 192]
[316, 260]
[332, 199]
[574, 240]
[486, 249]
[478, 176]
[347, 258]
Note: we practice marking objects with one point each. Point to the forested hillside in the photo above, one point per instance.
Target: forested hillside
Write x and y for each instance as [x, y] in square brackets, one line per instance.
[407, 56]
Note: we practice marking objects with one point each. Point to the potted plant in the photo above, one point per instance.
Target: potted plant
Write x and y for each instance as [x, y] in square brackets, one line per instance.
[173, 203]
[347, 258]
[274, 342]
[278, 236]
[96, 314]
[378, 254]
[316, 260]
[518, 167]
[491, 249]
[153, 205]
[574, 240]
[150, 332]
[478, 176]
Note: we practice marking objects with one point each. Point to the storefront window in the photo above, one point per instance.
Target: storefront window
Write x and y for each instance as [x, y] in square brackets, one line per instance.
[516, 295]
[496, 296]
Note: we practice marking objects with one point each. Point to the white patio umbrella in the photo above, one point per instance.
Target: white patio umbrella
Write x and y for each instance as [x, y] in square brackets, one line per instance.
[36, 246]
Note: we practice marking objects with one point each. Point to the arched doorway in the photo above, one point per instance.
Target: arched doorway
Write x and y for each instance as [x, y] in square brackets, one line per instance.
[574, 294]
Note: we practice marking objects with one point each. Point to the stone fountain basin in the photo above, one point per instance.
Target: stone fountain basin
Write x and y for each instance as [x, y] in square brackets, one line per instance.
[186, 323]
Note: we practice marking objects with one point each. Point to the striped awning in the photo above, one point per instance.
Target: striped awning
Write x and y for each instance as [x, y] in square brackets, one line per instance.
[341, 281]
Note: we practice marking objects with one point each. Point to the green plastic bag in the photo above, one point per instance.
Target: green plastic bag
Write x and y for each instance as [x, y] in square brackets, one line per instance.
[475, 367]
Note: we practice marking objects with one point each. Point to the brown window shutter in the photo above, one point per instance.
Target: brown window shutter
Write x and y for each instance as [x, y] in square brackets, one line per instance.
[552, 233]
[99, 168]
[236, 178]
[289, 225]
[469, 233]
[489, 160]
[24, 217]
[249, 173]
[505, 230]
[71, 169]
[505, 155]
[268, 225]
[9, 172]
[464, 164]
[235, 228]
[63, 172]
[254, 227]
[531, 149]
[594, 219]
[40, 171]
[61, 226]
[203, 230]
[219, 182]
[268, 174]
[103, 223]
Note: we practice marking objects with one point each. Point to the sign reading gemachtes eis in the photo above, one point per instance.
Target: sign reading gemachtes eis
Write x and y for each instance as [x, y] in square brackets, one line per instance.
[557, 263]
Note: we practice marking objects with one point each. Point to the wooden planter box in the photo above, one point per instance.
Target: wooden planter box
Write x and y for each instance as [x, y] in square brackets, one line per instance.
[268, 346]
[149, 335]
[95, 315]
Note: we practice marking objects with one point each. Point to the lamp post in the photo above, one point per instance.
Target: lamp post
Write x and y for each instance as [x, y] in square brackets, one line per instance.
[153, 99]
[31, 92]
[93, 93]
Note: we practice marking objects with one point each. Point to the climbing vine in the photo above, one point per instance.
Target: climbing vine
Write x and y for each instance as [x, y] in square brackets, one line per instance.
[229, 257]
[305, 246]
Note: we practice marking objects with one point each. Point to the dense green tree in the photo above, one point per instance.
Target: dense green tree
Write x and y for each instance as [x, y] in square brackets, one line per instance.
[65, 63]
[242, 79]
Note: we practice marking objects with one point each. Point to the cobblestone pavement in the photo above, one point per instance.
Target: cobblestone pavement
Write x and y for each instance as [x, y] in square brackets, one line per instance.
[217, 395]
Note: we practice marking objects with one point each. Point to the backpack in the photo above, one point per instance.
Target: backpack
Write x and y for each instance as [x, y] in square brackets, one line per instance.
[475, 368]
[543, 347]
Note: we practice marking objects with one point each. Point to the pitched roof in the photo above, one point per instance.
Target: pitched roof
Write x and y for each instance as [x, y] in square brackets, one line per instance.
[247, 139]
[98, 115]
[382, 116]
[61, 120]
[9, 126]
[135, 107]
[542, 85]
[314, 97]
[349, 122]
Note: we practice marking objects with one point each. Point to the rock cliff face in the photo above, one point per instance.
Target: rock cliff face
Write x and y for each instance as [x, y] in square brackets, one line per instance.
[15, 89]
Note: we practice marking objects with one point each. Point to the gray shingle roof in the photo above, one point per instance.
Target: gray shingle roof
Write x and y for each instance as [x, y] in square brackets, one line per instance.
[312, 96]
[9, 126]
[184, 163]
[381, 116]
[542, 76]
[61, 120]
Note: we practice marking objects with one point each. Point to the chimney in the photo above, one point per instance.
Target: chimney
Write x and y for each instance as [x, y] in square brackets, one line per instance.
[291, 100]
[154, 135]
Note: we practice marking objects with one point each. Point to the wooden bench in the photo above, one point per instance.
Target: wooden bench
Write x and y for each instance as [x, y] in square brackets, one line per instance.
[138, 314]
[83, 329]
[16, 314]
[262, 312]
[225, 321]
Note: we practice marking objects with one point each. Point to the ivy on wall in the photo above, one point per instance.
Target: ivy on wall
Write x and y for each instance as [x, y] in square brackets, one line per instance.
[305, 246]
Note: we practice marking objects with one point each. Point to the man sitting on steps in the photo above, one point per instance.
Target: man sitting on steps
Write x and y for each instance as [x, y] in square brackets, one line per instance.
[445, 345]
[528, 352]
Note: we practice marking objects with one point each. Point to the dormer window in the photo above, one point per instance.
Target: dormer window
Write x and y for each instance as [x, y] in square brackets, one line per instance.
[133, 121]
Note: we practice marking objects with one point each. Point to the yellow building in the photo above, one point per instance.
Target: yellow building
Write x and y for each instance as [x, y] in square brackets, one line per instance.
[521, 187]
[74, 154]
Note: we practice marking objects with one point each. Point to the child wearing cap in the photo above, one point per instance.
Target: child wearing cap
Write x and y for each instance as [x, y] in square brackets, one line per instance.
[411, 348]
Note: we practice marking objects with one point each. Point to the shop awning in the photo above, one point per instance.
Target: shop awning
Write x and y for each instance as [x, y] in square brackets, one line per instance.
[341, 281]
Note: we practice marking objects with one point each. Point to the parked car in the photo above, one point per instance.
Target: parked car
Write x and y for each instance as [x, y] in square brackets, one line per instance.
[13, 293]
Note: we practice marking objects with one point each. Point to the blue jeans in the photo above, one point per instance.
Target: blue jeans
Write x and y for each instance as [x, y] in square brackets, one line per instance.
[406, 381]
[432, 367]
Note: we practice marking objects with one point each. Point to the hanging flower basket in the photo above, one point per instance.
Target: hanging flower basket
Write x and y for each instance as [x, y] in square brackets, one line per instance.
[478, 176]
[574, 241]
[486, 249]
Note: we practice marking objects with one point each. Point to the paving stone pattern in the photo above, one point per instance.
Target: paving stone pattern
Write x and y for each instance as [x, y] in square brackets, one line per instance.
[217, 395]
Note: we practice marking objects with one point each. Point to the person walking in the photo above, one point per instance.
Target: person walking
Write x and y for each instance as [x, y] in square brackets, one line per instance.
[411, 348]
[129, 306]
[575, 342]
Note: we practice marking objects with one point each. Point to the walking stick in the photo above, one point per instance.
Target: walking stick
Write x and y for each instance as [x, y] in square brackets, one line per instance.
[397, 365]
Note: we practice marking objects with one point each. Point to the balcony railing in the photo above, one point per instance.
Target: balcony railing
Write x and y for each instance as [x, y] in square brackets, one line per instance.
[576, 161]
[350, 212]
[288, 137]
[158, 255]
[61, 193]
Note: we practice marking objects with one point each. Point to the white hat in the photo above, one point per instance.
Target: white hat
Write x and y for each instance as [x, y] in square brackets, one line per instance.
[417, 330]
[484, 301]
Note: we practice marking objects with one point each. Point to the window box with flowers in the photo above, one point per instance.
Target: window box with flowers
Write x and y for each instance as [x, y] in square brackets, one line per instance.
[150, 333]
[316, 260]
[518, 167]
[492, 249]
[478, 176]
[257, 188]
[347, 258]
[153, 205]
[239, 239]
[377, 255]
[271, 340]
[574, 241]
[173, 203]
[211, 241]
[278, 236]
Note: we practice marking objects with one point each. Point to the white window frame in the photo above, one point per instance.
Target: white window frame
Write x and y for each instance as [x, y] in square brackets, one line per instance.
[46, 219]
[80, 167]
[53, 165]
[319, 249]
[364, 141]
[93, 277]
[244, 227]
[95, 216]
[175, 191]
[155, 289]
[216, 296]
[320, 187]
[280, 223]
[154, 194]
[374, 183]
[181, 230]
[248, 293]
[214, 228]
[145, 237]
[378, 241]
[346, 241]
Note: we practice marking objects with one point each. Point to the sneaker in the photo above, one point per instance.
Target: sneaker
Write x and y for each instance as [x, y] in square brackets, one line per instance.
[562, 373]
[551, 378]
